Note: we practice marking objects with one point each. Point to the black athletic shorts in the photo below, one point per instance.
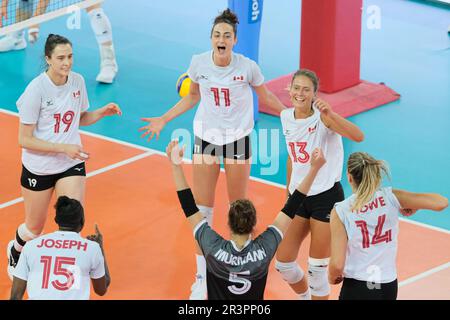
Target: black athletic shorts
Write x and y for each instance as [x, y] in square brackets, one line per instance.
[319, 206]
[362, 290]
[36, 182]
[238, 150]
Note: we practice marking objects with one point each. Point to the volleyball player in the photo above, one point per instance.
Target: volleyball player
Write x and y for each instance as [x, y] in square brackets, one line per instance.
[364, 231]
[312, 124]
[237, 269]
[99, 21]
[59, 265]
[222, 81]
[51, 109]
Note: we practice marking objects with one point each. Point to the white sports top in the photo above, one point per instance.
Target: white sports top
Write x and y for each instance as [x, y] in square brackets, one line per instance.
[55, 110]
[59, 266]
[225, 112]
[302, 137]
[372, 237]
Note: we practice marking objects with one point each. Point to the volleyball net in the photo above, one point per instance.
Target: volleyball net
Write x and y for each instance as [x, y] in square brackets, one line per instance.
[20, 14]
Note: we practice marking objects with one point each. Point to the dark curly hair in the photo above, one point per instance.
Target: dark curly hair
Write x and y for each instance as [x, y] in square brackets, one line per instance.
[69, 213]
[227, 16]
[242, 217]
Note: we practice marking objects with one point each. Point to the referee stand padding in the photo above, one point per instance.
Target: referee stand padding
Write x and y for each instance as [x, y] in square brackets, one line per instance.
[364, 96]
[330, 46]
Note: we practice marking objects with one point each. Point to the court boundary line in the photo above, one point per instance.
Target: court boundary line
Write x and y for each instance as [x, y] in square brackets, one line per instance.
[91, 174]
[424, 274]
[278, 185]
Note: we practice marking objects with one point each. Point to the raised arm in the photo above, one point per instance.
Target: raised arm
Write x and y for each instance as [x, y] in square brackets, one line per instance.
[284, 218]
[100, 285]
[186, 103]
[268, 98]
[412, 201]
[337, 123]
[185, 196]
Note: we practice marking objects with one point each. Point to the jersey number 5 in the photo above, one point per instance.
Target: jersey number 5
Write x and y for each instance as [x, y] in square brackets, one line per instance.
[246, 284]
[66, 119]
[303, 156]
[377, 237]
[58, 271]
[226, 96]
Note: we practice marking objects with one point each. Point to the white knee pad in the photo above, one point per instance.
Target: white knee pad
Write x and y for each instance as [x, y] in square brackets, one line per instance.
[25, 235]
[290, 271]
[207, 212]
[318, 276]
[100, 25]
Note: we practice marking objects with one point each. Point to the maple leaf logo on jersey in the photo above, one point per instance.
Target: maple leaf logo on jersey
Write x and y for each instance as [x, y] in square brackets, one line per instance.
[238, 78]
[313, 129]
[76, 94]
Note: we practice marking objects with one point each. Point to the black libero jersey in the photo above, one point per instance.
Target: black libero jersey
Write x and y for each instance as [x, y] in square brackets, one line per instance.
[234, 274]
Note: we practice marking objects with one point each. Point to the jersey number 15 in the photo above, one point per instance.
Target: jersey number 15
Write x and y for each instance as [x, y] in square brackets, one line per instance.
[58, 270]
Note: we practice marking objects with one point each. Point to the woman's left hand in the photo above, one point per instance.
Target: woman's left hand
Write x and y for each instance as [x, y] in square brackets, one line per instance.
[323, 106]
[407, 212]
[111, 109]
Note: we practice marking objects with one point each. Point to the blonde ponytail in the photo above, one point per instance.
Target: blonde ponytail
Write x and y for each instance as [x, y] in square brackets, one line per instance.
[367, 173]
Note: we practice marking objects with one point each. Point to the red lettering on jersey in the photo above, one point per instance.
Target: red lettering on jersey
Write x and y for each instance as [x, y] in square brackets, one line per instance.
[82, 245]
[373, 205]
[63, 244]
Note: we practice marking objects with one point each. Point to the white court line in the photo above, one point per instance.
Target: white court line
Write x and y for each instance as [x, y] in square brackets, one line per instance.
[424, 275]
[278, 185]
[91, 174]
[11, 203]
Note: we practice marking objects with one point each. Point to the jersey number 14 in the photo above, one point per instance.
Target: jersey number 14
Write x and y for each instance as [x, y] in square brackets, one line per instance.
[377, 237]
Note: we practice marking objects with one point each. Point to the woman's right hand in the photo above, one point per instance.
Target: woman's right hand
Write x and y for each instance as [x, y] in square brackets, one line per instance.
[317, 158]
[175, 153]
[75, 152]
[154, 127]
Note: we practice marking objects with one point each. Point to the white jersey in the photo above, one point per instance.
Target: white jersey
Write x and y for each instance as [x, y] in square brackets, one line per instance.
[55, 110]
[302, 137]
[372, 237]
[225, 112]
[59, 266]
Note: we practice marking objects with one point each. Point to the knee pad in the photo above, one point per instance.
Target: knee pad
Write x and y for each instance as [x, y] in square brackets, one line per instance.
[318, 276]
[33, 34]
[100, 25]
[22, 236]
[290, 271]
[207, 212]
